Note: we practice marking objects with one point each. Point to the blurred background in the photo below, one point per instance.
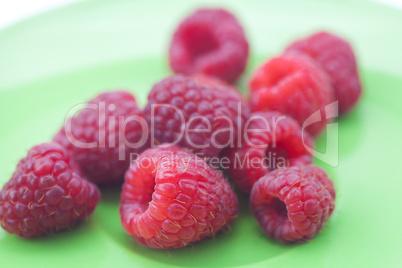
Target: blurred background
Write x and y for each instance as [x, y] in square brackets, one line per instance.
[87, 33]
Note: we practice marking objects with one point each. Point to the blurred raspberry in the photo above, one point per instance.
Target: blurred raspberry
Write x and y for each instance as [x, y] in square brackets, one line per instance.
[295, 85]
[105, 136]
[212, 42]
[336, 57]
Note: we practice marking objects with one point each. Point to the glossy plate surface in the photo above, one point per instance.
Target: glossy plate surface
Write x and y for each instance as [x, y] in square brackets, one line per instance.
[56, 60]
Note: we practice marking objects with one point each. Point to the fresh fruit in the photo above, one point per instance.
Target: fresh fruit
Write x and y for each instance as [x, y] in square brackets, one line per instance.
[211, 42]
[271, 141]
[105, 136]
[295, 85]
[202, 115]
[44, 195]
[172, 198]
[293, 204]
[336, 57]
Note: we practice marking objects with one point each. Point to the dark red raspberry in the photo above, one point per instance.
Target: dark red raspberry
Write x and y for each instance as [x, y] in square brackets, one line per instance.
[105, 136]
[44, 195]
[271, 141]
[212, 42]
[336, 57]
[293, 204]
[172, 198]
[202, 115]
[294, 85]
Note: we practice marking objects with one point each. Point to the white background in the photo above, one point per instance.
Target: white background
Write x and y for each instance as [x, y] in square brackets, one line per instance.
[12, 11]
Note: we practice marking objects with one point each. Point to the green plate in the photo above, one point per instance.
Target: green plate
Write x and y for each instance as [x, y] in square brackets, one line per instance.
[58, 59]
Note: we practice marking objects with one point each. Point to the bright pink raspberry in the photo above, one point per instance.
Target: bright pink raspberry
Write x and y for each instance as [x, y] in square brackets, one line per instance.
[293, 204]
[172, 198]
[336, 57]
[211, 42]
[294, 85]
[271, 140]
[105, 136]
[45, 195]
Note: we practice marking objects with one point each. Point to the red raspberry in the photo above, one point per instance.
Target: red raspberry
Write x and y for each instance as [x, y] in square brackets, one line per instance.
[212, 42]
[211, 81]
[272, 140]
[196, 113]
[293, 204]
[294, 85]
[44, 195]
[337, 58]
[111, 134]
[172, 198]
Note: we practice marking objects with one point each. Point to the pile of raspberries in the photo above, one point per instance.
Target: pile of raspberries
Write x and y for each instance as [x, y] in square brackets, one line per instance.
[176, 157]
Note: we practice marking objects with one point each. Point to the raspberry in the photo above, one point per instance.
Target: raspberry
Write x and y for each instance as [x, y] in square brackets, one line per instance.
[212, 42]
[111, 134]
[202, 115]
[336, 57]
[278, 143]
[294, 85]
[172, 198]
[44, 195]
[293, 204]
[211, 81]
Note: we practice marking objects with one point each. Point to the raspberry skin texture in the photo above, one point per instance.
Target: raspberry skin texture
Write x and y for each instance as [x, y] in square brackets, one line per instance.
[293, 204]
[201, 114]
[280, 144]
[171, 198]
[45, 195]
[109, 143]
[292, 84]
[336, 57]
[210, 42]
